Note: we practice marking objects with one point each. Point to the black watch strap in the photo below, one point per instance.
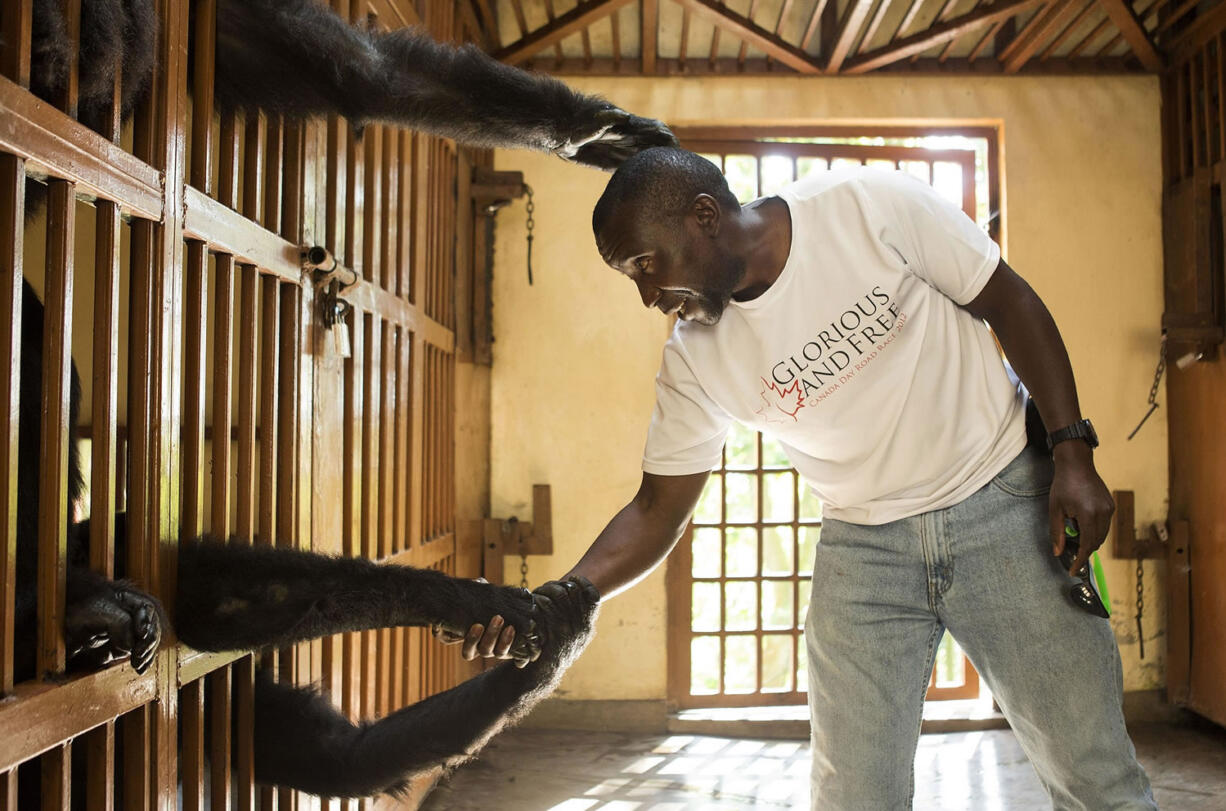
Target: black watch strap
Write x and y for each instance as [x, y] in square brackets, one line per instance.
[1082, 429]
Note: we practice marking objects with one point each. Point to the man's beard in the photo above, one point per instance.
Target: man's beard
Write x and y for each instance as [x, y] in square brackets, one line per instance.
[707, 306]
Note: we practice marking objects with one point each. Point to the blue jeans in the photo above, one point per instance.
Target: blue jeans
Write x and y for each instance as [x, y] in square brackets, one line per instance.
[882, 598]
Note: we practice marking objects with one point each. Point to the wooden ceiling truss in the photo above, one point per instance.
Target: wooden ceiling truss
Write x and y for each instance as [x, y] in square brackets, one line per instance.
[832, 37]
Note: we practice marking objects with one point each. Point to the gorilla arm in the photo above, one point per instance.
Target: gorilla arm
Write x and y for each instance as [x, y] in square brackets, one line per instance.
[299, 58]
[332, 757]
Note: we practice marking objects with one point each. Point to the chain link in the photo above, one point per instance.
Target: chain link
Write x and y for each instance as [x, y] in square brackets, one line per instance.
[1153, 389]
[1140, 606]
[531, 225]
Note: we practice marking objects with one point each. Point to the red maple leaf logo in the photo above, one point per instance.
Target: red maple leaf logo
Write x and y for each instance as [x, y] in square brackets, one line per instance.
[787, 401]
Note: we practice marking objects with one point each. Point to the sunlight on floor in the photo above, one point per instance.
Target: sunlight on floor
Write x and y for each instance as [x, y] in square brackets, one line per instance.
[729, 773]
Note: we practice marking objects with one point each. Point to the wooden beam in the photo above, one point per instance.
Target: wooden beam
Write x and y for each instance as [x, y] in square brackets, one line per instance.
[876, 23]
[581, 16]
[907, 19]
[1027, 44]
[488, 22]
[1068, 30]
[744, 51]
[978, 49]
[754, 34]
[727, 66]
[1094, 34]
[811, 28]
[650, 21]
[1121, 14]
[853, 18]
[936, 35]
[550, 16]
[1039, 20]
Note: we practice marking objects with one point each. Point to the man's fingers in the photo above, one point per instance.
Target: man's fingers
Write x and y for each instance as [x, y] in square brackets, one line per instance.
[504, 641]
[1055, 518]
[471, 639]
[1081, 560]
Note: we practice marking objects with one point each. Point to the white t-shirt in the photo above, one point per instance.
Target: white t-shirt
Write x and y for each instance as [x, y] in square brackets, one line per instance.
[889, 398]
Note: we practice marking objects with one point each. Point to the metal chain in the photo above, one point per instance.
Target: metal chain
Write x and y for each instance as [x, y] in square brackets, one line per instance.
[531, 225]
[1140, 606]
[1153, 390]
[523, 565]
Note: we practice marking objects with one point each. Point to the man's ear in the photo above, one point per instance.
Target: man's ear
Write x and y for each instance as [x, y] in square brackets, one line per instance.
[707, 212]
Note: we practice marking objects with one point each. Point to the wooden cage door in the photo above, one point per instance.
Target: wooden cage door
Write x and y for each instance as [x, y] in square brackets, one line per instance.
[1194, 321]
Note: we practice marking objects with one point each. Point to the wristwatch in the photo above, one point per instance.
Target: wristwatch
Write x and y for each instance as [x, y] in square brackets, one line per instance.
[1082, 429]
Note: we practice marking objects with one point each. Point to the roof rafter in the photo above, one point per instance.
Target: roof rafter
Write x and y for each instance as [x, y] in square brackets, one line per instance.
[936, 35]
[1121, 14]
[579, 17]
[754, 34]
[853, 19]
[649, 20]
[1025, 46]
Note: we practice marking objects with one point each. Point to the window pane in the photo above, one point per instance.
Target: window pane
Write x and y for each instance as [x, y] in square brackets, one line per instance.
[776, 173]
[776, 664]
[777, 605]
[741, 448]
[778, 493]
[740, 664]
[918, 169]
[772, 454]
[950, 671]
[742, 498]
[741, 607]
[808, 547]
[843, 163]
[803, 587]
[947, 180]
[809, 166]
[742, 174]
[879, 163]
[704, 612]
[707, 511]
[704, 665]
[706, 553]
[741, 550]
[777, 550]
[810, 504]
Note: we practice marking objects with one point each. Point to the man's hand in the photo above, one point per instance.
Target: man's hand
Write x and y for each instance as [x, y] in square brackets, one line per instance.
[494, 640]
[1078, 492]
[490, 641]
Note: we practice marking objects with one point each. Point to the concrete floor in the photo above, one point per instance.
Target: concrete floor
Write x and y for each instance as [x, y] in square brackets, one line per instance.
[535, 770]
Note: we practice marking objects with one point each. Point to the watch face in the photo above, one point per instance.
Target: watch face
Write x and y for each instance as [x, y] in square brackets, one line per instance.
[1091, 434]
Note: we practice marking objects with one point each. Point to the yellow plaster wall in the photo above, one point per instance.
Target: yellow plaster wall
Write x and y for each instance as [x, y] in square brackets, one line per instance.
[576, 354]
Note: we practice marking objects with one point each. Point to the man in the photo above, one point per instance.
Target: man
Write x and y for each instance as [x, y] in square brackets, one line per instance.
[845, 317]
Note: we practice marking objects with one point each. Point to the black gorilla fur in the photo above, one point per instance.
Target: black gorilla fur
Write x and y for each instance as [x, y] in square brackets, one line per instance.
[300, 59]
[237, 597]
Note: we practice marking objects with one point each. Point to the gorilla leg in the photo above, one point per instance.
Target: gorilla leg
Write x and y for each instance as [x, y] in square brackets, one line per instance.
[232, 597]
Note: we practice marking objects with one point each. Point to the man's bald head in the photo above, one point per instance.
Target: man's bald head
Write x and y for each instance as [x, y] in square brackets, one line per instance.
[659, 185]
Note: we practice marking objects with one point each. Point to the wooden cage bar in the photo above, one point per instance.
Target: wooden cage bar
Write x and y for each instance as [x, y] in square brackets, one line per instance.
[203, 420]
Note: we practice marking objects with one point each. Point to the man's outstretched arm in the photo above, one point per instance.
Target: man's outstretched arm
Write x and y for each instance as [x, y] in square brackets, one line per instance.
[634, 542]
[1033, 345]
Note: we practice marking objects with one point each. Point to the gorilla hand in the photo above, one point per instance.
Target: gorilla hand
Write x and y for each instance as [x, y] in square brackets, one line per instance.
[112, 623]
[611, 136]
[566, 614]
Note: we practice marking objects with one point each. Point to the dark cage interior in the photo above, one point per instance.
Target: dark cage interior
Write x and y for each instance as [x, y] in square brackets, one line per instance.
[162, 232]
